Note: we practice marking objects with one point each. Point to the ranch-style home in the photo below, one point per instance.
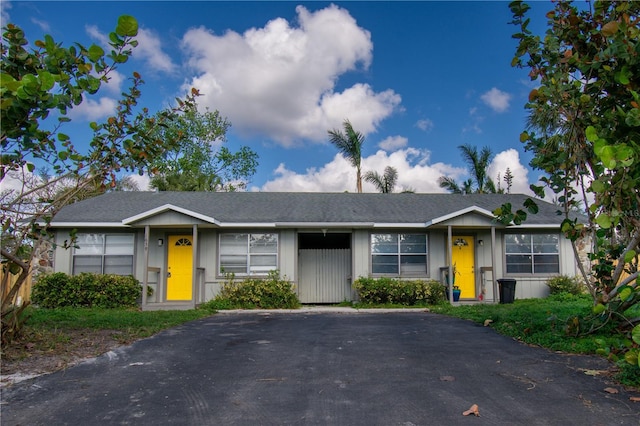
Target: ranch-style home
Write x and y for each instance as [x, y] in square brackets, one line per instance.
[183, 244]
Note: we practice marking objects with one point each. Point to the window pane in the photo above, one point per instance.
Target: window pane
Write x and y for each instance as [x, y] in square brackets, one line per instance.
[546, 263]
[413, 243]
[262, 263]
[263, 243]
[119, 244]
[384, 243]
[89, 244]
[384, 264]
[119, 265]
[518, 243]
[545, 244]
[518, 264]
[233, 243]
[87, 264]
[413, 264]
[233, 263]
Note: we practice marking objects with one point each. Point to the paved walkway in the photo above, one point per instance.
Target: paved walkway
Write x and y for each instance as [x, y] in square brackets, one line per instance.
[330, 366]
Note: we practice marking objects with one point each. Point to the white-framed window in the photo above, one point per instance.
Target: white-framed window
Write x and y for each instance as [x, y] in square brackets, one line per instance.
[399, 254]
[248, 253]
[532, 253]
[104, 254]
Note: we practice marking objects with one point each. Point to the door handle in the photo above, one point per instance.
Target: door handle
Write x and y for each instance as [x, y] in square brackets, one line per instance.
[168, 274]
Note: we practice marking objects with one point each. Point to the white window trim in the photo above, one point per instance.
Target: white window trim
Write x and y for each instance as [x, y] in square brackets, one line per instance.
[425, 273]
[103, 254]
[248, 272]
[532, 254]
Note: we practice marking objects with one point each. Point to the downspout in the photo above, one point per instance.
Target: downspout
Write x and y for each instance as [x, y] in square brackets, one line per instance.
[493, 263]
[145, 282]
[450, 262]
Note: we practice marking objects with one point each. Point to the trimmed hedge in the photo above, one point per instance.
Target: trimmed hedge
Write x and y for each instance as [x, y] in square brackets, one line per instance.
[86, 290]
[399, 292]
[565, 284]
[272, 292]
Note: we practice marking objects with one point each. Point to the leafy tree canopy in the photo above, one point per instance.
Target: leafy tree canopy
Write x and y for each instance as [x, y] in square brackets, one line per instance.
[39, 84]
[584, 133]
[198, 161]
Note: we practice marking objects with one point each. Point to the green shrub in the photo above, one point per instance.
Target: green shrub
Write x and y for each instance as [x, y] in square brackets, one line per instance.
[272, 292]
[86, 290]
[395, 291]
[565, 284]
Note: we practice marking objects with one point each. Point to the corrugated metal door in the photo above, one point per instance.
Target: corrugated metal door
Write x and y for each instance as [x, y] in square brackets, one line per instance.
[324, 275]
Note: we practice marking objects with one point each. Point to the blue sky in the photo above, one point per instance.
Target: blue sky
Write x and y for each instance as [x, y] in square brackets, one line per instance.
[417, 78]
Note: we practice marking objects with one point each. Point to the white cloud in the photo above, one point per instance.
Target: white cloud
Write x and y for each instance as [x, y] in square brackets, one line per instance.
[142, 181]
[510, 159]
[44, 26]
[496, 99]
[393, 143]
[425, 124]
[4, 12]
[91, 109]
[279, 80]
[149, 49]
[100, 37]
[414, 171]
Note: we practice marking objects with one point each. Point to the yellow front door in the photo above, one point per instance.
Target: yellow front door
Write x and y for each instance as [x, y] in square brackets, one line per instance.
[179, 267]
[463, 257]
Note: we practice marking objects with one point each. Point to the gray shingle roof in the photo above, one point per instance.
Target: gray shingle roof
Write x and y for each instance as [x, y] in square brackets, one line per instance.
[296, 207]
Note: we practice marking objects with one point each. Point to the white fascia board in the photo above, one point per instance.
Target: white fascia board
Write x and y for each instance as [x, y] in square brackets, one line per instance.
[88, 225]
[168, 207]
[245, 225]
[324, 224]
[467, 210]
[400, 225]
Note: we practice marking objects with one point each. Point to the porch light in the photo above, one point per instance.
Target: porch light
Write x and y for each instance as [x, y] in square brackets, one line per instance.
[480, 242]
[324, 232]
[160, 242]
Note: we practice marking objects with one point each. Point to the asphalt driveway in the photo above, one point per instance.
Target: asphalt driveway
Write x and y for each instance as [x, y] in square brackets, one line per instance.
[327, 368]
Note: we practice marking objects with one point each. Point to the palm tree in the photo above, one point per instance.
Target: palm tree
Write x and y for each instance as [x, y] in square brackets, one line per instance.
[350, 145]
[384, 183]
[478, 163]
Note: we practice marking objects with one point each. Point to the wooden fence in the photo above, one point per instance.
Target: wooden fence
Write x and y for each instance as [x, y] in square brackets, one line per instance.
[25, 291]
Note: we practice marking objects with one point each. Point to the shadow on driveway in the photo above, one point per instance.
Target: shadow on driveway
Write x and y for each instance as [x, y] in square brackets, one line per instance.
[324, 368]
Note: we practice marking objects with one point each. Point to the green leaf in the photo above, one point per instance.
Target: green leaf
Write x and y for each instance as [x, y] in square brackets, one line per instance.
[606, 153]
[628, 257]
[598, 186]
[63, 155]
[531, 206]
[625, 293]
[633, 118]
[95, 53]
[635, 334]
[127, 26]
[604, 221]
[63, 137]
[599, 308]
[591, 133]
[622, 76]
[47, 81]
[631, 357]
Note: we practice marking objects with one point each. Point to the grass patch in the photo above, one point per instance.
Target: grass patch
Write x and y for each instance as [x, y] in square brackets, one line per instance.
[550, 322]
[132, 323]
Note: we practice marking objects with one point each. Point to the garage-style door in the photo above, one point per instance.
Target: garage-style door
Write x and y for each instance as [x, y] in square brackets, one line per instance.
[324, 265]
